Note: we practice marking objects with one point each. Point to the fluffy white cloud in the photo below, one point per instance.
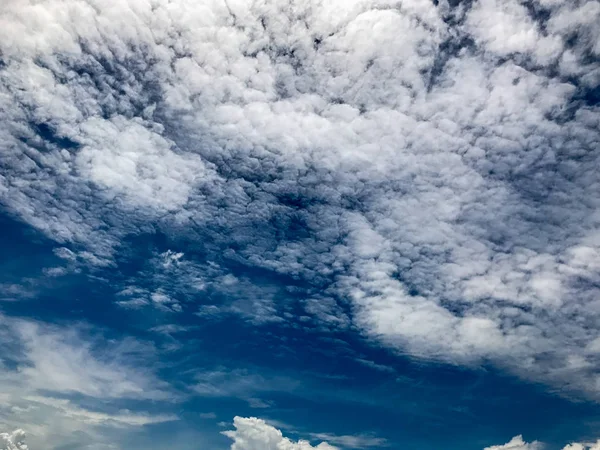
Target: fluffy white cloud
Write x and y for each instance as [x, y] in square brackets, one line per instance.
[435, 166]
[578, 446]
[13, 441]
[516, 443]
[255, 434]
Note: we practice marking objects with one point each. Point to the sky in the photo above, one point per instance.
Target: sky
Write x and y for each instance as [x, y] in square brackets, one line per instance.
[300, 224]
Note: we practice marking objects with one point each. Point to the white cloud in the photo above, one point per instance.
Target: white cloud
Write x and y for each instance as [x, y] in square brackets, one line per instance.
[121, 418]
[516, 443]
[435, 166]
[242, 384]
[255, 434]
[65, 385]
[376, 366]
[506, 28]
[13, 441]
[61, 360]
[588, 446]
[252, 433]
[128, 159]
[352, 441]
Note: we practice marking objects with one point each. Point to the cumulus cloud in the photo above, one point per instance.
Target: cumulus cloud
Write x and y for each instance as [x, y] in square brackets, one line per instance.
[588, 446]
[251, 433]
[517, 443]
[430, 167]
[255, 434]
[13, 441]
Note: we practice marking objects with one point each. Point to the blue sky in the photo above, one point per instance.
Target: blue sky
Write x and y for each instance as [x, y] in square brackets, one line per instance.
[283, 225]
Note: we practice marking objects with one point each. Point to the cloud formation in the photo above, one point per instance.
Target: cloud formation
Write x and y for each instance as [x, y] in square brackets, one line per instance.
[60, 360]
[255, 434]
[429, 167]
[352, 441]
[65, 385]
[13, 441]
[517, 443]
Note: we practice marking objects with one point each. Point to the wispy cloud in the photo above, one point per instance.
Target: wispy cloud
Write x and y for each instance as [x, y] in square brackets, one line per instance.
[60, 360]
[62, 384]
[351, 441]
[122, 418]
[242, 384]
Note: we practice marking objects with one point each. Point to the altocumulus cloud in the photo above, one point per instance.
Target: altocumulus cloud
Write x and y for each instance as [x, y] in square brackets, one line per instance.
[431, 167]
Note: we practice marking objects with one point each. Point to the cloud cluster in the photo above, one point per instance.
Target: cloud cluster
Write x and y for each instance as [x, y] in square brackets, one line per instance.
[517, 443]
[251, 433]
[13, 441]
[429, 167]
[255, 434]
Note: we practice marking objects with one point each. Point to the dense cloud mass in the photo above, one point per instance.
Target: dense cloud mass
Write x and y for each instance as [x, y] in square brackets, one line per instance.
[13, 441]
[426, 166]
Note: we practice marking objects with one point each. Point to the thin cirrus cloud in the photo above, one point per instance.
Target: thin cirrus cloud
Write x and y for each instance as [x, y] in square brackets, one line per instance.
[58, 384]
[53, 358]
[425, 172]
